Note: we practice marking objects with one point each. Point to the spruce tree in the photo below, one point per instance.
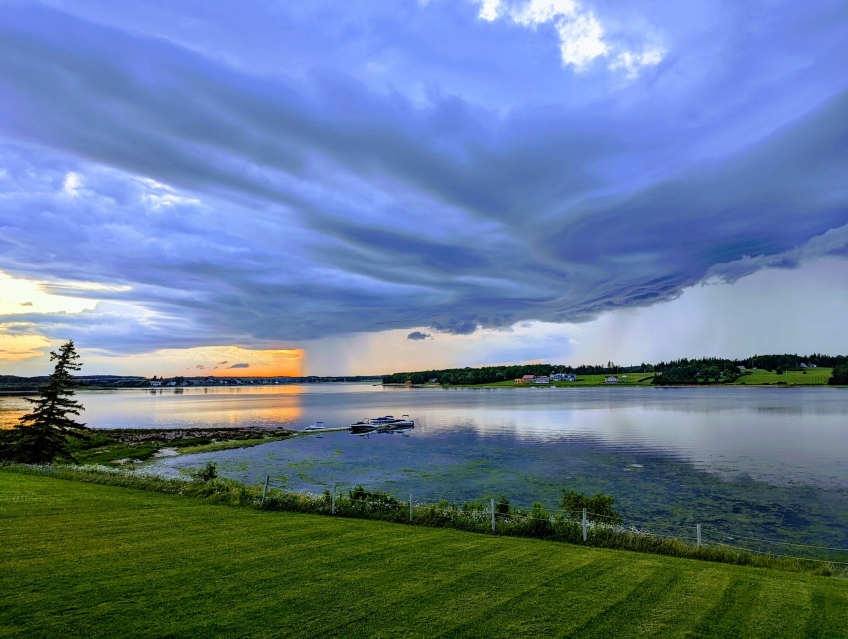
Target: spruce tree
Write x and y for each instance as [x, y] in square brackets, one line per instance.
[42, 434]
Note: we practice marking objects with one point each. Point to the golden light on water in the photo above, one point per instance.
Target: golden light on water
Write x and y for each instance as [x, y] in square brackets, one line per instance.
[11, 410]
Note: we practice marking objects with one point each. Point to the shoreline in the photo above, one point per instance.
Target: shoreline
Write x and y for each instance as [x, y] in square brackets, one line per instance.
[129, 446]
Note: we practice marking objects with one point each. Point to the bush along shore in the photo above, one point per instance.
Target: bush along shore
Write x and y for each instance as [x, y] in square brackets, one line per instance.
[602, 530]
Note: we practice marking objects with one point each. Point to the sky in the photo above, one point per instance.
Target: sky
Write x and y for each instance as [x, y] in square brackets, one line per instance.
[336, 188]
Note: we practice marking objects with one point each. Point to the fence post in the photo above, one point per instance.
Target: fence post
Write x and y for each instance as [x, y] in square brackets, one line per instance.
[410, 506]
[585, 525]
[265, 490]
[493, 515]
[698, 529]
[333, 510]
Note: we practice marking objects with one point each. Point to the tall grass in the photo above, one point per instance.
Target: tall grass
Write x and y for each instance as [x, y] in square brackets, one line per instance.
[471, 516]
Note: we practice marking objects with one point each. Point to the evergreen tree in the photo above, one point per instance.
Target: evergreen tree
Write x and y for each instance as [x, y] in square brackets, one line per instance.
[42, 434]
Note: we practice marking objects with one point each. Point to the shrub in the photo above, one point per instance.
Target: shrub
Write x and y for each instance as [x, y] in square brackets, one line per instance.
[597, 507]
[373, 501]
[839, 376]
[502, 507]
[205, 474]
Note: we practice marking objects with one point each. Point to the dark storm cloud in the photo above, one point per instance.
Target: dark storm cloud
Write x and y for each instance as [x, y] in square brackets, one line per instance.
[418, 336]
[309, 204]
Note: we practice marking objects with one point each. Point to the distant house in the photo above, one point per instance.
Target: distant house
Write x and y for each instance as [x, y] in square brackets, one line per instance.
[741, 368]
[172, 383]
[434, 380]
[564, 377]
[543, 379]
[518, 381]
[529, 378]
[611, 380]
[156, 383]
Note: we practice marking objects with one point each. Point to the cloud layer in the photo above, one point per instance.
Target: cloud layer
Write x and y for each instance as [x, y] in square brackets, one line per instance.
[206, 195]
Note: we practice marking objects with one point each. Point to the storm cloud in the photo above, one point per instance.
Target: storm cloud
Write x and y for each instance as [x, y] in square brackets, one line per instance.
[215, 199]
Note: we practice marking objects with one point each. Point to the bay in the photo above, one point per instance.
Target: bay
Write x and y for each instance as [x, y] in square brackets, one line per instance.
[742, 461]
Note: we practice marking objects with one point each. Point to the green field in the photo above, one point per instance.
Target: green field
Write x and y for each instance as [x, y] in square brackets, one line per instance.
[631, 379]
[812, 377]
[98, 561]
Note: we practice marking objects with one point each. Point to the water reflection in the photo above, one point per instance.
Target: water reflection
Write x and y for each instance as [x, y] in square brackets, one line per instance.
[193, 407]
[780, 436]
[12, 408]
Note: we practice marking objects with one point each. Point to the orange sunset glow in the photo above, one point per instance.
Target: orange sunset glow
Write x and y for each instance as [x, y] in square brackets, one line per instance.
[233, 361]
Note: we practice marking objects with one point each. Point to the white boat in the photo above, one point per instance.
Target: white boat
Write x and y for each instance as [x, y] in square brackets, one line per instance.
[316, 426]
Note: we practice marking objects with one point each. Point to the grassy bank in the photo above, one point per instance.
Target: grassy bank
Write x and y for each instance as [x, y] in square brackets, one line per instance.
[471, 517]
[96, 561]
[117, 447]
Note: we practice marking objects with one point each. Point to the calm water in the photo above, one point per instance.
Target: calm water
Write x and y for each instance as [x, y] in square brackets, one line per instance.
[763, 457]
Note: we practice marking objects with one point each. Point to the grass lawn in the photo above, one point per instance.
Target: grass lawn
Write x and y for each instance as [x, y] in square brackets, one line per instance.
[813, 376]
[98, 561]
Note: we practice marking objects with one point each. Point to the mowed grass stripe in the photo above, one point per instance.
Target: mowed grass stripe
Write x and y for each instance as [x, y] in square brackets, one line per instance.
[827, 611]
[87, 560]
[475, 589]
[520, 614]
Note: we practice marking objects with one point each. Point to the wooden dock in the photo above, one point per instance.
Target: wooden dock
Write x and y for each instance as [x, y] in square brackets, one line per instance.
[335, 429]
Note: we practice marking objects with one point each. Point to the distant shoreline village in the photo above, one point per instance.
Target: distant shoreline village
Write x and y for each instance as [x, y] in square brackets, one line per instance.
[760, 370]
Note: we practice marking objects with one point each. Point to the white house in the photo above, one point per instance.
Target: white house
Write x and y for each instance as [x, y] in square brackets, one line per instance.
[611, 380]
[543, 379]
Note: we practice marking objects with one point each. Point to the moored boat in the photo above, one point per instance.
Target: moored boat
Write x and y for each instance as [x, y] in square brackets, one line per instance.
[388, 422]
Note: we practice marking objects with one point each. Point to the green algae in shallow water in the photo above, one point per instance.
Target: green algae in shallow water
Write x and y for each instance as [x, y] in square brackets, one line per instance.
[663, 495]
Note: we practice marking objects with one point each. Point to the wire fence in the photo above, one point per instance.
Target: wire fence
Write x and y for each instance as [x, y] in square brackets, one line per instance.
[503, 517]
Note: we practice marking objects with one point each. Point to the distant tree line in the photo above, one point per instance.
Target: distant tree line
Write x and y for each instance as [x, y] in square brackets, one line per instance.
[707, 370]
[492, 374]
[717, 370]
